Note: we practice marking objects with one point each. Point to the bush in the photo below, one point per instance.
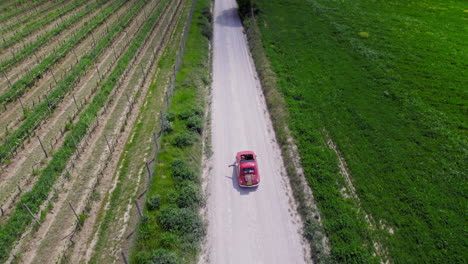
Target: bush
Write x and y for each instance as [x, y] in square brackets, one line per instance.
[168, 126]
[168, 240]
[195, 111]
[195, 124]
[158, 256]
[169, 116]
[183, 220]
[154, 203]
[189, 195]
[181, 171]
[207, 30]
[162, 256]
[184, 139]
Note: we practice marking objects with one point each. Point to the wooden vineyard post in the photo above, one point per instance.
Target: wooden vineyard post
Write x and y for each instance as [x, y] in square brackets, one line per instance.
[108, 145]
[30, 213]
[138, 208]
[9, 83]
[124, 257]
[74, 212]
[42, 146]
[22, 106]
[148, 169]
[74, 99]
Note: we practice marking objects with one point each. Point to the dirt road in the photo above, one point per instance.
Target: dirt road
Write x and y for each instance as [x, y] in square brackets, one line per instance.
[245, 225]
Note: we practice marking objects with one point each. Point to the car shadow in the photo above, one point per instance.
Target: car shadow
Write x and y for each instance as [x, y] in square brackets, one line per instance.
[235, 184]
[229, 18]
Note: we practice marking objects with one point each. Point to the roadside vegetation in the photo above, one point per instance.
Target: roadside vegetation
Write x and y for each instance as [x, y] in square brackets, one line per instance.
[384, 82]
[171, 228]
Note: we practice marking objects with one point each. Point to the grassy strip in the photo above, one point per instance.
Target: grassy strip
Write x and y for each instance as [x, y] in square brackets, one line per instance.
[171, 228]
[388, 90]
[130, 162]
[37, 24]
[5, 15]
[18, 221]
[45, 108]
[29, 50]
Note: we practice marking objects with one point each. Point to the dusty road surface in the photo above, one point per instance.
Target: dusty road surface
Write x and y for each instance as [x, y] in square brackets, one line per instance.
[245, 225]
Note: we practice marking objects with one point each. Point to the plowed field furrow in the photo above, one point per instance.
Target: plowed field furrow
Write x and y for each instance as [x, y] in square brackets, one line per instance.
[84, 177]
[13, 116]
[44, 108]
[28, 29]
[23, 10]
[20, 171]
[20, 69]
[18, 221]
[108, 237]
[22, 21]
[33, 32]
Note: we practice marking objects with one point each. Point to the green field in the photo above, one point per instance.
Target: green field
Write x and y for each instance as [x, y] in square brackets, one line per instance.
[387, 81]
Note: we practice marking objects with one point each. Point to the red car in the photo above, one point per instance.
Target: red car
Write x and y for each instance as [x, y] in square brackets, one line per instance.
[247, 169]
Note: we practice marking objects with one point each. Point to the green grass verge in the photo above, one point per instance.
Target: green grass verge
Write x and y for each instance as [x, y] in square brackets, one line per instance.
[171, 228]
[45, 108]
[41, 23]
[378, 77]
[11, 230]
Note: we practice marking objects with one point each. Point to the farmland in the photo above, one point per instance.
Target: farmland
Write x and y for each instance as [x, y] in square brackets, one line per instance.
[78, 89]
[376, 97]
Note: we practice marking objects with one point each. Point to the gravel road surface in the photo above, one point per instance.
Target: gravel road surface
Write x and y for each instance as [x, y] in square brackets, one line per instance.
[258, 225]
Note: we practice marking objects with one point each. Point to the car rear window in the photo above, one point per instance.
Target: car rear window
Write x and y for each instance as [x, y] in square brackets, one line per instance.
[248, 170]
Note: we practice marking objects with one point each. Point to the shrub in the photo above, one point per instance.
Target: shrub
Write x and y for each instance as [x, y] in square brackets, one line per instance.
[181, 171]
[168, 240]
[184, 139]
[162, 256]
[195, 124]
[195, 111]
[183, 220]
[189, 195]
[207, 30]
[169, 116]
[154, 203]
[167, 126]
